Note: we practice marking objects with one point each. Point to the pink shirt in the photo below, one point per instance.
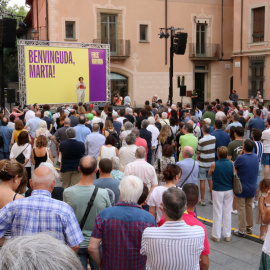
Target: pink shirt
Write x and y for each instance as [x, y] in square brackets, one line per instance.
[191, 220]
[142, 142]
[16, 115]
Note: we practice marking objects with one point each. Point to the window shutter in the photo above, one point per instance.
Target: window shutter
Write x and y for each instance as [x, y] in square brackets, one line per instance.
[258, 24]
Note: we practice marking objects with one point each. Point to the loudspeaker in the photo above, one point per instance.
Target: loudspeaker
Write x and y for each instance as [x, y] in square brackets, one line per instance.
[11, 95]
[180, 43]
[8, 32]
[183, 90]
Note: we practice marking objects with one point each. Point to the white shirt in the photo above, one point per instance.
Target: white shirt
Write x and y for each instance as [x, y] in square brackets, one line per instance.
[220, 115]
[96, 120]
[145, 171]
[127, 155]
[16, 150]
[155, 132]
[174, 245]
[266, 141]
[29, 114]
[54, 117]
[245, 113]
[155, 200]
[121, 119]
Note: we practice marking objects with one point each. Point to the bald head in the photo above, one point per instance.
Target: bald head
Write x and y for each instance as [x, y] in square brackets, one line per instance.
[140, 152]
[187, 152]
[67, 122]
[43, 178]
[88, 165]
[38, 114]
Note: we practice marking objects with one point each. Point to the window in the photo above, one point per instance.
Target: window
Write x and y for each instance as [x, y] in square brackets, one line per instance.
[258, 24]
[70, 30]
[256, 78]
[143, 32]
[109, 31]
[200, 38]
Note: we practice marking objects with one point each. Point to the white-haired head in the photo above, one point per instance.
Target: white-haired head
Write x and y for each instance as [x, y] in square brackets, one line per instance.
[115, 163]
[207, 121]
[130, 188]
[114, 114]
[40, 249]
[151, 120]
[164, 115]
[46, 113]
[173, 107]
[51, 167]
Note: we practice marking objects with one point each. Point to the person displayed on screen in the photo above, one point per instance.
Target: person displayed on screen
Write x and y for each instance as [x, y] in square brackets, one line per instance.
[80, 90]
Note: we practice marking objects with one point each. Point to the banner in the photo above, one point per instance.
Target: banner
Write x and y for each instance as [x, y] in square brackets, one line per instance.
[53, 72]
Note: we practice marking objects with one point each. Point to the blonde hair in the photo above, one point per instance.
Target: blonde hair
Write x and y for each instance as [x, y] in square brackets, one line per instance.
[164, 133]
[108, 124]
[81, 110]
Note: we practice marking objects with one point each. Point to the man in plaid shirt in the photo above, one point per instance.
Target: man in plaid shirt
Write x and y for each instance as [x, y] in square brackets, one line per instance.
[120, 229]
[40, 213]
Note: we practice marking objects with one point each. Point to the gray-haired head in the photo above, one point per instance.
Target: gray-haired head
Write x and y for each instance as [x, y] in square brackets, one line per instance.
[114, 114]
[151, 120]
[174, 203]
[71, 133]
[30, 107]
[140, 152]
[131, 188]
[96, 127]
[145, 123]
[130, 139]
[194, 119]
[164, 115]
[235, 117]
[67, 122]
[115, 163]
[51, 167]
[40, 249]
[136, 132]
[128, 125]
[129, 111]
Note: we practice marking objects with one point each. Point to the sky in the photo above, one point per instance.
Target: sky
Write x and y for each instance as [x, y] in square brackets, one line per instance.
[18, 2]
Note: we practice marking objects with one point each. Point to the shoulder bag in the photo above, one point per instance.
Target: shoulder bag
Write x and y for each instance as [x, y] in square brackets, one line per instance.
[188, 175]
[237, 185]
[89, 206]
[48, 157]
[21, 157]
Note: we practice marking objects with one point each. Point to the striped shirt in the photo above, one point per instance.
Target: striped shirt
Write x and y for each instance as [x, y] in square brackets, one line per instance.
[174, 245]
[258, 149]
[206, 147]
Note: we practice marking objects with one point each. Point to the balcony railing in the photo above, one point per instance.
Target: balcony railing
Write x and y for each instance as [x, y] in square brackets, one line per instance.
[206, 51]
[119, 48]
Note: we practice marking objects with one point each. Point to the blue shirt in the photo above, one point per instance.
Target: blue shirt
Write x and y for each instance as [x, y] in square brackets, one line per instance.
[256, 122]
[117, 126]
[32, 125]
[222, 139]
[234, 124]
[223, 175]
[40, 213]
[93, 143]
[121, 228]
[186, 165]
[6, 133]
[247, 166]
[81, 132]
[109, 183]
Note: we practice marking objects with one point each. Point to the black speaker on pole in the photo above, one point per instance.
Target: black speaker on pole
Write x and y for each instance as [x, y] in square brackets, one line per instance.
[180, 43]
[183, 90]
[8, 32]
[11, 95]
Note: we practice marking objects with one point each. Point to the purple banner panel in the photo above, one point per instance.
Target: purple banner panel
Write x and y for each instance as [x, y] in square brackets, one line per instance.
[97, 75]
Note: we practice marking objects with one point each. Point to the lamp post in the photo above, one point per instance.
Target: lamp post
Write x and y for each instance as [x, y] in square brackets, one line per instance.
[166, 36]
[35, 34]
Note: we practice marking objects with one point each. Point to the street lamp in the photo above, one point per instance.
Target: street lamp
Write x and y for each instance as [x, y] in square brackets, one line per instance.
[173, 50]
[35, 34]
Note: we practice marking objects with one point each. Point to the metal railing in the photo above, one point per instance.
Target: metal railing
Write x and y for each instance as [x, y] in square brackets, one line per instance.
[118, 48]
[204, 50]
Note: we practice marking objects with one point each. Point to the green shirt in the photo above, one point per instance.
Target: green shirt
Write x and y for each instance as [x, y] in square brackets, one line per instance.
[78, 197]
[188, 140]
[210, 115]
[234, 149]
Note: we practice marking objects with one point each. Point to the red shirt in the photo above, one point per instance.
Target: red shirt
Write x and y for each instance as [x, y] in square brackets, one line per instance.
[82, 86]
[142, 142]
[191, 220]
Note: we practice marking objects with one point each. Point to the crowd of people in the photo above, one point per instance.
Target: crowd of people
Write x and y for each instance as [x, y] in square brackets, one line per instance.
[131, 179]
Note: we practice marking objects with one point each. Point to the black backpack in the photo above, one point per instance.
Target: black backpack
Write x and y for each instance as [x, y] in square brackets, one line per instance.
[116, 138]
